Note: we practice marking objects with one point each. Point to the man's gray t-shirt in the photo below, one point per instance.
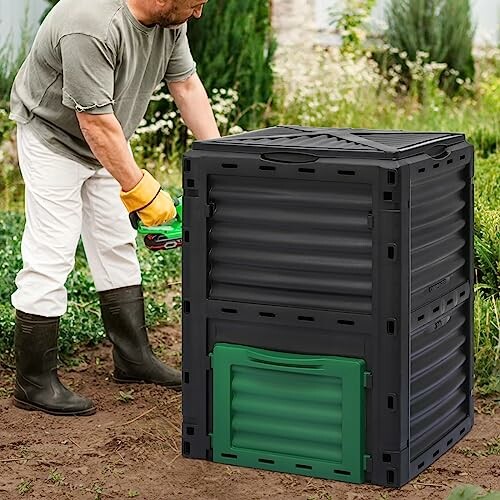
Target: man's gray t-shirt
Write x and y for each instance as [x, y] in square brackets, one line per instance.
[94, 56]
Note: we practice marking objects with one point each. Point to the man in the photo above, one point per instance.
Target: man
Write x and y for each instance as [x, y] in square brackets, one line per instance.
[77, 99]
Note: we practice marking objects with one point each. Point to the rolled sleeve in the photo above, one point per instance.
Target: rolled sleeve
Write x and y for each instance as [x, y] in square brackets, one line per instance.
[181, 64]
[88, 74]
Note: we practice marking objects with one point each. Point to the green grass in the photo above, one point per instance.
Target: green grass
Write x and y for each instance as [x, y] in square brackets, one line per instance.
[471, 492]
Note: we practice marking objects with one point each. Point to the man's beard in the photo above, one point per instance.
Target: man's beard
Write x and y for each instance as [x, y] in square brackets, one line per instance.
[170, 21]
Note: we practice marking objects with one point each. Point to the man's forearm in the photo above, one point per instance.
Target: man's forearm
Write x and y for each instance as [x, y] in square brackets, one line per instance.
[105, 137]
[192, 100]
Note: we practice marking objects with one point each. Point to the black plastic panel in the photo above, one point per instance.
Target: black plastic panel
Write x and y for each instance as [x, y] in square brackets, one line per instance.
[438, 385]
[290, 242]
[438, 234]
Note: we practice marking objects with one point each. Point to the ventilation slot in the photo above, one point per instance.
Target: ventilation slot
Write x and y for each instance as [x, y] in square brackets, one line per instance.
[390, 477]
[228, 455]
[421, 170]
[266, 461]
[450, 301]
[190, 431]
[420, 318]
[462, 431]
[436, 309]
[391, 177]
[186, 377]
[187, 306]
[229, 311]
[307, 170]
[186, 236]
[449, 442]
[435, 454]
[343, 472]
[186, 447]
[387, 196]
[421, 464]
[267, 167]
[391, 404]
[462, 293]
[229, 165]
[450, 161]
[345, 322]
[187, 165]
[346, 172]
[305, 318]
[302, 466]
[462, 157]
[386, 457]
[391, 252]
[190, 183]
[267, 314]
[391, 326]
[436, 165]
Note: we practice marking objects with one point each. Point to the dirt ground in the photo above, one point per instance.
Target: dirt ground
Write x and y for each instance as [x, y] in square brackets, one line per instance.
[131, 449]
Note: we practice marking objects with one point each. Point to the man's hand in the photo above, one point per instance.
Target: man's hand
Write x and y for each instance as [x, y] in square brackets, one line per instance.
[153, 205]
[141, 193]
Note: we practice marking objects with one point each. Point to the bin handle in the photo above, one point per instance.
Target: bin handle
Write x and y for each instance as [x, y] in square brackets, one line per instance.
[285, 157]
[439, 153]
[288, 363]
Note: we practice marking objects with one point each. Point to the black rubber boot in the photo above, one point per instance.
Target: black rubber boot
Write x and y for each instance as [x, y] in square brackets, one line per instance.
[37, 385]
[125, 324]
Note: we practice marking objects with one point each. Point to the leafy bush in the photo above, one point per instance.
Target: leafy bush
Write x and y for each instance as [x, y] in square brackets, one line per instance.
[234, 48]
[162, 137]
[349, 23]
[81, 324]
[11, 60]
[440, 28]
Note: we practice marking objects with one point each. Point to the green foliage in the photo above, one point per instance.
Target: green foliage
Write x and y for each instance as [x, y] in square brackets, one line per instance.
[441, 29]
[349, 23]
[471, 492]
[487, 223]
[487, 264]
[47, 10]
[25, 486]
[81, 324]
[233, 46]
[486, 341]
[11, 59]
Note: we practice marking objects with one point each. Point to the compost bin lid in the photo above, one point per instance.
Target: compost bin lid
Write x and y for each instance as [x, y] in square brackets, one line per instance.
[332, 142]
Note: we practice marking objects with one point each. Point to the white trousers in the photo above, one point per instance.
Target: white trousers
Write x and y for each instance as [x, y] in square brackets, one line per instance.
[65, 199]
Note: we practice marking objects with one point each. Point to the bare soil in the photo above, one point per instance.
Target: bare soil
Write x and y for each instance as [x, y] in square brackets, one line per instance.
[131, 449]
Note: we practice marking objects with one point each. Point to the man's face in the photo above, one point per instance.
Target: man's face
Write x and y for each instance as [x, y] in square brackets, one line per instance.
[173, 13]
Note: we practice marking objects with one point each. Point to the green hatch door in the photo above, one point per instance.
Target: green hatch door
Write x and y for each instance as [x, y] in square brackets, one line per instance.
[296, 413]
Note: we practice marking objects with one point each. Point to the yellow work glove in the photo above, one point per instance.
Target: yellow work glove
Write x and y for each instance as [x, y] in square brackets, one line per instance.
[147, 199]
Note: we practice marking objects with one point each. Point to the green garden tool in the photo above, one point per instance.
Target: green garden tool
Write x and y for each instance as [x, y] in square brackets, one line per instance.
[164, 237]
